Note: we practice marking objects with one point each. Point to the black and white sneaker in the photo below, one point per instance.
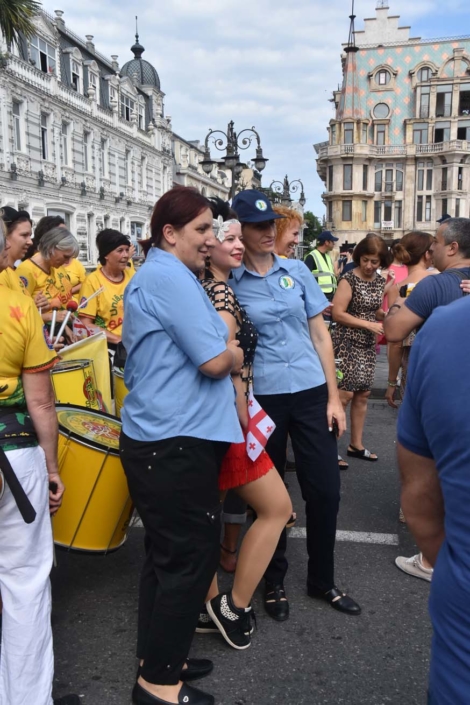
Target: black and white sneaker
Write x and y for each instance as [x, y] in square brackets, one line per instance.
[205, 625]
[234, 623]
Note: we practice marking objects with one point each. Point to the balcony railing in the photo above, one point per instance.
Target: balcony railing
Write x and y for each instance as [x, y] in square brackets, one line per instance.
[35, 77]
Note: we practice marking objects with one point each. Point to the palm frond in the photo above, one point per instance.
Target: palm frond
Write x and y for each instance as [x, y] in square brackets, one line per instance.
[17, 16]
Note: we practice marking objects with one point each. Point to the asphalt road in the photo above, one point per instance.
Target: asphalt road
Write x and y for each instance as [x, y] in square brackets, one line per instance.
[317, 657]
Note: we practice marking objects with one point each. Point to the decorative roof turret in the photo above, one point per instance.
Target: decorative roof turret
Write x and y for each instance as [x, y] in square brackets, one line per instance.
[139, 70]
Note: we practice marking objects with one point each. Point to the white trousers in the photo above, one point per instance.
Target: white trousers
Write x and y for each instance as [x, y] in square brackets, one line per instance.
[26, 661]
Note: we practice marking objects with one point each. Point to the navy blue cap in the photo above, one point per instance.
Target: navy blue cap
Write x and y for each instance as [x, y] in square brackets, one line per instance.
[253, 207]
[326, 235]
[444, 217]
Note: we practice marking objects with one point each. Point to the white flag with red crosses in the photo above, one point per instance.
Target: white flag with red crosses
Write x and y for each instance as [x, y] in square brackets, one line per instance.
[260, 427]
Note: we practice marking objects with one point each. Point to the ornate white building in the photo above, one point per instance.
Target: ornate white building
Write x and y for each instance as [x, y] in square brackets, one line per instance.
[81, 137]
[189, 172]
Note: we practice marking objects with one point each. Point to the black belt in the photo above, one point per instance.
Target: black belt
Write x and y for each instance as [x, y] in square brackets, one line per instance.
[25, 507]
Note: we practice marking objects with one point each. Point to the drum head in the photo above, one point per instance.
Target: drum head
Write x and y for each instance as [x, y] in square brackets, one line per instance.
[70, 365]
[92, 428]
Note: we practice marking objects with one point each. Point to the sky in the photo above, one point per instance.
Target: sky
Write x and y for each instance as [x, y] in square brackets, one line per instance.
[263, 63]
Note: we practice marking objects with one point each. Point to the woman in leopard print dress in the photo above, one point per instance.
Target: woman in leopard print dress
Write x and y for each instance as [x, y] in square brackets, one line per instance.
[358, 314]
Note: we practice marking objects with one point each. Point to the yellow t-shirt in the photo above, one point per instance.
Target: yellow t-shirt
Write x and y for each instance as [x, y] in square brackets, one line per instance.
[77, 275]
[106, 309]
[10, 279]
[23, 347]
[56, 286]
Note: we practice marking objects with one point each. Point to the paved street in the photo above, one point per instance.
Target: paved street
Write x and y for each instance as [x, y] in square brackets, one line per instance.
[319, 656]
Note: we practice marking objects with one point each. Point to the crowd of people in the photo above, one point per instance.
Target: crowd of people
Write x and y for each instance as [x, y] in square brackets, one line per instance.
[224, 330]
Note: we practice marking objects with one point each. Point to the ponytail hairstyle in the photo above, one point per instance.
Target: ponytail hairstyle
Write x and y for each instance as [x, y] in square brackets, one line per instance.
[177, 207]
[412, 247]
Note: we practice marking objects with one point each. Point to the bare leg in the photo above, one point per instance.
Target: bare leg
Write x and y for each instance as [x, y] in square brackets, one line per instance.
[345, 398]
[358, 417]
[271, 502]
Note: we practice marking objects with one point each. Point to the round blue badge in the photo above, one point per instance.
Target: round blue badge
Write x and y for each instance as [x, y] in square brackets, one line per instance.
[286, 282]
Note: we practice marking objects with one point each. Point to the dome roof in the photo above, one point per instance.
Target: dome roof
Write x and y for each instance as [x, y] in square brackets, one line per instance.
[139, 70]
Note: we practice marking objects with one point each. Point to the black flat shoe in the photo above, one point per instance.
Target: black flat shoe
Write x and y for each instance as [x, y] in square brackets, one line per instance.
[196, 668]
[337, 599]
[275, 606]
[187, 695]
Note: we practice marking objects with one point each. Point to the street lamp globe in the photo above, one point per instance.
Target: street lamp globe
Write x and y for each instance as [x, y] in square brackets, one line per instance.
[260, 160]
[302, 199]
[231, 161]
[207, 163]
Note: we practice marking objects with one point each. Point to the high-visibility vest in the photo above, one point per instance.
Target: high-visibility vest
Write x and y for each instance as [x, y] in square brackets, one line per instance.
[324, 271]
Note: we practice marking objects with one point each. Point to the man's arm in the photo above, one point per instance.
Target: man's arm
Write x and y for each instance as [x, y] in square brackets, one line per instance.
[422, 501]
[400, 321]
[310, 262]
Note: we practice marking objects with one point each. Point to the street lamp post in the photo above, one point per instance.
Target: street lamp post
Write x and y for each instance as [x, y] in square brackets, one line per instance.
[286, 188]
[230, 142]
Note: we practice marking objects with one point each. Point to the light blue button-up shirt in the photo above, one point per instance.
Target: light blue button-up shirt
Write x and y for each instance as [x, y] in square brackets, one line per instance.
[280, 304]
[170, 329]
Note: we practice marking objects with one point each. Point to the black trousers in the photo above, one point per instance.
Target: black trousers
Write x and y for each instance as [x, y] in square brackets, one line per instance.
[174, 485]
[302, 415]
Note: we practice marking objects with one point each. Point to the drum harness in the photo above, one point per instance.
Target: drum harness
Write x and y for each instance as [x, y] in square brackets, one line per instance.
[7, 473]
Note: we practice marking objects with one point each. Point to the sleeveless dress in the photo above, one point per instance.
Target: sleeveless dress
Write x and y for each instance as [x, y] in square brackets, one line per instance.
[237, 468]
[355, 347]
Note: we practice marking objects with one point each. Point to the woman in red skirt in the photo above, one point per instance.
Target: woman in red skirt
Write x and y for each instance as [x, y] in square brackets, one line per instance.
[257, 482]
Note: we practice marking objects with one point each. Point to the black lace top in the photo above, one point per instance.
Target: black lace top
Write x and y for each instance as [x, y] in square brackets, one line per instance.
[224, 299]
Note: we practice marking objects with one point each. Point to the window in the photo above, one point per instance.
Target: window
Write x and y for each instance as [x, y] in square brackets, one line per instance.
[44, 136]
[424, 102]
[42, 54]
[424, 74]
[75, 75]
[365, 177]
[429, 179]
[127, 107]
[460, 178]
[347, 177]
[457, 207]
[378, 180]
[65, 142]
[420, 133]
[94, 82]
[427, 213]
[444, 178]
[464, 101]
[463, 130]
[399, 178]
[380, 134]
[347, 210]
[388, 181]
[348, 133]
[333, 134]
[128, 167]
[364, 211]
[444, 101]
[442, 132]
[86, 151]
[17, 126]
[141, 117]
[444, 206]
[419, 209]
[388, 206]
[398, 213]
[381, 111]
[382, 77]
[113, 94]
[104, 159]
[136, 235]
[377, 214]
[330, 211]
[420, 184]
[364, 135]
[330, 177]
[143, 167]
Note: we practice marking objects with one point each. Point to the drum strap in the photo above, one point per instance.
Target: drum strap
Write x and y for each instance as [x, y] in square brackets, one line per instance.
[25, 507]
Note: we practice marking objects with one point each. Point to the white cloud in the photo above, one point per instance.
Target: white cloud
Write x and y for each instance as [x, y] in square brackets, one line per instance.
[259, 62]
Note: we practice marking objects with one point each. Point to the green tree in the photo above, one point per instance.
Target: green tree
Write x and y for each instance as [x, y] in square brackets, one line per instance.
[313, 228]
[16, 16]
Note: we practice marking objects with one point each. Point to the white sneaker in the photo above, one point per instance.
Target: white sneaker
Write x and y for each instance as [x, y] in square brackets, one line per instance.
[414, 566]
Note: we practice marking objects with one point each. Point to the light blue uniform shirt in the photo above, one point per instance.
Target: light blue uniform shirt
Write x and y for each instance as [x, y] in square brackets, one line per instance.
[170, 329]
[279, 305]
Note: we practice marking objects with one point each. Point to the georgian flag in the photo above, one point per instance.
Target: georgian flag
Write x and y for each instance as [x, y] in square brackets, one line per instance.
[260, 427]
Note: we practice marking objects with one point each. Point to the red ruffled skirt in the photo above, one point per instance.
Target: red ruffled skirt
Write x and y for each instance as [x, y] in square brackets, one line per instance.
[238, 469]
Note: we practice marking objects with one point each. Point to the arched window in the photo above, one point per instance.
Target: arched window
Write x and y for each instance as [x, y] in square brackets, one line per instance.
[382, 77]
[424, 74]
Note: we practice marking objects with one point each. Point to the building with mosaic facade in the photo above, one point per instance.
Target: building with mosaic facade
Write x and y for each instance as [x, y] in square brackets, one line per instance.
[398, 153]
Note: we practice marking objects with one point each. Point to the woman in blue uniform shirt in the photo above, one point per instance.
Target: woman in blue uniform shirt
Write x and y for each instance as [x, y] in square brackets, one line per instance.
[177, 422]
[295, 383]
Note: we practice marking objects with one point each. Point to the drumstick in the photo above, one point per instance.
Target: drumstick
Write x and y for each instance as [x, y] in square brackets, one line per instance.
[84, 303]
[71, 307]
[54, 316]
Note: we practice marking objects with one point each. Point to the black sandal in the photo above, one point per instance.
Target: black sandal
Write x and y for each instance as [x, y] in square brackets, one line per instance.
[363, 454]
